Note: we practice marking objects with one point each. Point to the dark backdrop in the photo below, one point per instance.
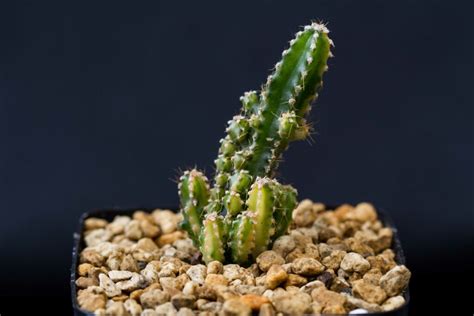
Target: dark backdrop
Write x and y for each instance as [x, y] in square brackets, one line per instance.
[101, 103]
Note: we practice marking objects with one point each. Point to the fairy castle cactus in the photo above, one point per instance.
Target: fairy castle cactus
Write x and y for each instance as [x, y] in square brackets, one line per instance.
[247, 209]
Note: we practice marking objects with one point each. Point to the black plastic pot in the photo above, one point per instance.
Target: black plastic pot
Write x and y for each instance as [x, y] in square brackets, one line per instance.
[109, 215]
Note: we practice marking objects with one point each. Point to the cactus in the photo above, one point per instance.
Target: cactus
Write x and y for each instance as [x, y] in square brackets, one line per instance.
[247, 209]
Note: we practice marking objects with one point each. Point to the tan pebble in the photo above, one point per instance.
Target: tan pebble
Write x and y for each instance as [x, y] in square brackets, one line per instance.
[266, 310]
[133, 230]
[359, 247]
[129, 264]
[334, 310]
[333, 261]
[355, 303]
[108, 285]
[235, 307]
[275, 276]
[368, 292]
[393, 303]
[310, 286]
[183, 300]
[295, 280]
[339, 284]
[94, 223]
[395, 280]
[149, 229]
[327, 298]
[115, 308]
[354, 262]
[168, 239]
[118, 225]
[216, 279]
[303, 214]
[146, 244]
[132, 307]
[341, 211]
[292, 303]
[135, 282]
[381, 262]
[117, 275]
[307, 266]
[84, 268]
[372, 276]
[207, 292]
[268, 258]
[92, 298]
[283, 245]
[166, 309]
[190, 288]
[96, 237]
[184, 311]
[120, 298]
[254, 301]
[135, 295]
[153, 298]
[167, 220]
[215, 267]
[197, 273]
[91, 256]
[232, 271]
[85, 282]
[363, 212]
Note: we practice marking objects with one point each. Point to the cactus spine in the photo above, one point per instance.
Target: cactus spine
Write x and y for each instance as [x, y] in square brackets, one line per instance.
[247, 209]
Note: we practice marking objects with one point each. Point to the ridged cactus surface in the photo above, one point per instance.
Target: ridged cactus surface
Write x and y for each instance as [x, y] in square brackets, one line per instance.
[247, 209]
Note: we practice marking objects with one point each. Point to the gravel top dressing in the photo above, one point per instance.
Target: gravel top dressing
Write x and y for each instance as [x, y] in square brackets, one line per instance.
[330, 262]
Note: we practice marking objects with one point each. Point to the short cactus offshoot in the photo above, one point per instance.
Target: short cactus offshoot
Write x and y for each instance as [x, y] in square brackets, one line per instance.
[247, 209]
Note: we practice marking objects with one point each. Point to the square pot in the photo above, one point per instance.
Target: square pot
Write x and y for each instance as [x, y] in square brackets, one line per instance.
[109, 215]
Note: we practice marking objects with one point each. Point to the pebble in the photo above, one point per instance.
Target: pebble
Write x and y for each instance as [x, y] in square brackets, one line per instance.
[307, 266]
[268, 258]
[291, 303]
[215, 267]
[152, 298]
[368, 292]
[354, 262]
[166, 309]
[135, 282]
[92, 298]
[170, 238]
[91, 256]
[393, 303]
[184, 311]
[333, 261]
[275, 276]
[116, 309]
[94, 223]
[167, 220]
[108, 285]
[327, 298]
[132, 307]
[235, 307]
[215, 280]
[197, 273]
[183, 300]
[395, 280]
[85, 282]
[254, 301]
[283, 245]
[354, 303]
[117, 275]
[133, 230]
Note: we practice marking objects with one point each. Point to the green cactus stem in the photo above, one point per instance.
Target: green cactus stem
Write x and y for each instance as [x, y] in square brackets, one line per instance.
[194, 194]
[247, 209]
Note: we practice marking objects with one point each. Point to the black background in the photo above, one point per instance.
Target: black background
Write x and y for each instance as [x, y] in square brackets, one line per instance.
[101, 104]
